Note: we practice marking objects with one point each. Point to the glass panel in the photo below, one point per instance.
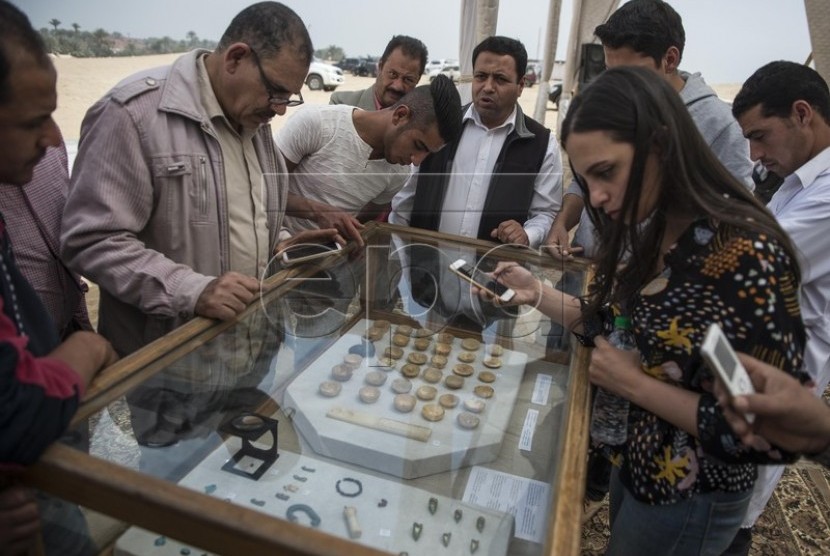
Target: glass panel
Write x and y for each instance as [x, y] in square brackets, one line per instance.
[370, 396]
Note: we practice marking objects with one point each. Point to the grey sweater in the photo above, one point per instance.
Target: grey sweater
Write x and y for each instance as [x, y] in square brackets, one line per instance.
[719, 129]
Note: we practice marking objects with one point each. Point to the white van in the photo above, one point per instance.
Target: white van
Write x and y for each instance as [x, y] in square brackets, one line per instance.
[323, 76]
[434, 67]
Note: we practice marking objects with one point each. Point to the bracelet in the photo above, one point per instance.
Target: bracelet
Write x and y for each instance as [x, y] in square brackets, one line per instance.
[312, 515]
[349, 494]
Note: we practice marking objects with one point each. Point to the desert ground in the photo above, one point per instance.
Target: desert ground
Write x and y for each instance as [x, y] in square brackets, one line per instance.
[82, 81]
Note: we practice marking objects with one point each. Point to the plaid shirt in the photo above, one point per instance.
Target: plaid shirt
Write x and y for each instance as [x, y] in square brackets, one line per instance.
[33, 218]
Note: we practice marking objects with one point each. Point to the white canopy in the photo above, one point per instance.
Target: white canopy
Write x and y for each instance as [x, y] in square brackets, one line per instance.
[480, 17]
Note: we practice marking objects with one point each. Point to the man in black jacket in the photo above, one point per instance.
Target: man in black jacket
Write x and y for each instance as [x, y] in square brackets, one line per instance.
[500, 181]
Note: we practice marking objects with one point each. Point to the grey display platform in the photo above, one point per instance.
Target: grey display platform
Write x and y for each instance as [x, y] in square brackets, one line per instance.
[386, 510]
[401, 444]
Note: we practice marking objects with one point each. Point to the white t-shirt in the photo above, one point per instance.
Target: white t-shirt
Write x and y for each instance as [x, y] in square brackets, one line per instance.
[333, 165]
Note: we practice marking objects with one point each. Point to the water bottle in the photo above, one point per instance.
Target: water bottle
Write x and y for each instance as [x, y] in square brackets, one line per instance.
[609, 418]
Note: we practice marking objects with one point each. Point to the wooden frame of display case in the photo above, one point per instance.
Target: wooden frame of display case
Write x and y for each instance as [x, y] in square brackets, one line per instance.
[221, 527]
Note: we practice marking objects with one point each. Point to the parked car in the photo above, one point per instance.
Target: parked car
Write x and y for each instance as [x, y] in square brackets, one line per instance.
[368, 67]
[555, 93]
[453, 72]
[323, 76]
[348, 65]
[434, 67]
[531, 76]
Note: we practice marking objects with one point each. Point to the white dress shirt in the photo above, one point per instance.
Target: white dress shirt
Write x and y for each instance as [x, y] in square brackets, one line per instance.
[470, 178]
[802, 207]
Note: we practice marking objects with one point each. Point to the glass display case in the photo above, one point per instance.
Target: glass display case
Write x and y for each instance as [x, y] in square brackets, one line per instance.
[367, 402]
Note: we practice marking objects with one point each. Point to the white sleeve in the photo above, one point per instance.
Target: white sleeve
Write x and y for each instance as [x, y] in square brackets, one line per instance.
[301, 135]
[547, 195]
[403, 202]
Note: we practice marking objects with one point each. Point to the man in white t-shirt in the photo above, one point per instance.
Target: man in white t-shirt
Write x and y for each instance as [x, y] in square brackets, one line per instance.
[346, 164]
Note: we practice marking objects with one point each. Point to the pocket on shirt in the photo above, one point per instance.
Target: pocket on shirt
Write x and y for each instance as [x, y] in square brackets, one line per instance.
[182, 184]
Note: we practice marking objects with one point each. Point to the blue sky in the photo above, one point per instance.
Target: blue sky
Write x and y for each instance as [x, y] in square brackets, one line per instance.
[726, 40]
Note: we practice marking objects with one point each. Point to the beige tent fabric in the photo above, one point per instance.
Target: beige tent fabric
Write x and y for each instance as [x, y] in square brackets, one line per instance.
[818, 21]
[478, 21]
[480, 17]
[587, 15]
[549, 57]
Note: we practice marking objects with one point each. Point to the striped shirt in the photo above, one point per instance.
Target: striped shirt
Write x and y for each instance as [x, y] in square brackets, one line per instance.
[33, 217]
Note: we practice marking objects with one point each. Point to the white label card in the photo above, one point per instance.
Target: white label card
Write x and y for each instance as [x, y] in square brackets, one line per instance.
[528, 428]
[525, 499]
[541, 389]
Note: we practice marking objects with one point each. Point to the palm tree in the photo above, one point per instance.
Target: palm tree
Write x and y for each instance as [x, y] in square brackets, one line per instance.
[101, 43]
[54, 23]
[76, 27]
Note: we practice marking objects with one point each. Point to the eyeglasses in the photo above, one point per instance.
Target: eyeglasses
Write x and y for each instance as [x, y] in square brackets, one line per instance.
[408, 80]
[276, 93]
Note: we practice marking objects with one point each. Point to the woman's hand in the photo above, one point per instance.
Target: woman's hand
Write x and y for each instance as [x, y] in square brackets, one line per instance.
[527, 287]
[560, 307]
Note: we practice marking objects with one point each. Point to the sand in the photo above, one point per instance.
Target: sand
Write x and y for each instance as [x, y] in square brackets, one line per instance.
[82, 81]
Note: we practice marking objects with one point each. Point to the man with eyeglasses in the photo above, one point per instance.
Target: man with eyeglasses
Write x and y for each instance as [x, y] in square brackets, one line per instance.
[178, 193]
[399, 70]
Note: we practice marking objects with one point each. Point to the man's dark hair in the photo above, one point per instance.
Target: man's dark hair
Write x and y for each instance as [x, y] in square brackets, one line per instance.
[17, 33]
[504, 46]
[410, 47]
[437, 102]
[777, 85]
[634, 105]
[268, 27]
[649, 27]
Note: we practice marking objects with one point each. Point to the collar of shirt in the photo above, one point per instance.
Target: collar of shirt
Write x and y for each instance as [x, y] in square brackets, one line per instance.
[799, 180]
[813, 168]
[472, 114]
[211, 103]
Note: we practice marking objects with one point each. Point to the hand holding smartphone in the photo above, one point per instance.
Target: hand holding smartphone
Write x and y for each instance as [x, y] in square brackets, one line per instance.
[482, 280]
[721, 358]
[304, 252]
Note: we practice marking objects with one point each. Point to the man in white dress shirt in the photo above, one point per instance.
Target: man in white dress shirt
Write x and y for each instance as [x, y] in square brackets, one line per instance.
[502, 180]
[784, 111]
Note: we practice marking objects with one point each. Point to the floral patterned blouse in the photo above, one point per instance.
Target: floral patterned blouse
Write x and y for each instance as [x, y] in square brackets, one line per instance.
[745, 282]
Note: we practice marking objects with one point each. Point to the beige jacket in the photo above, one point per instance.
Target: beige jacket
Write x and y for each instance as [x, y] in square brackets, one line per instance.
[146, 217]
